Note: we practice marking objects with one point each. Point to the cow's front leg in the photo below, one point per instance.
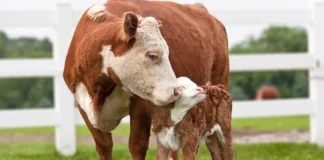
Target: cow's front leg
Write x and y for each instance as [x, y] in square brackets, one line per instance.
[173, 155]
[189, 147]
[140, 125]
[103, 140]
[162, 152]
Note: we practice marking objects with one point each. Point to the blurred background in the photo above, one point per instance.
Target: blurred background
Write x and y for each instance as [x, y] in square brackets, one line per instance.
[256, 137]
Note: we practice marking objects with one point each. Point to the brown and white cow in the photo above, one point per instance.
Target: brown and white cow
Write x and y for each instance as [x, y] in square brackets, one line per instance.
[120, 56]
[200, 115]
[267, 92]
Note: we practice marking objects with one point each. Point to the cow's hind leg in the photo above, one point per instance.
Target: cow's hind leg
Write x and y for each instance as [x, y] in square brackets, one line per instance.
[228, 148]
[220, 148]
[140, 126]
[214, 147]
[103, 140]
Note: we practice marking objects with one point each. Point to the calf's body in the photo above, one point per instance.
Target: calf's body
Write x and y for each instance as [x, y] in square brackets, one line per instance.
[188, 126]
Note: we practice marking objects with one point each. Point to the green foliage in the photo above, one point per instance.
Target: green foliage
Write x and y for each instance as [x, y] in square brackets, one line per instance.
[274, 39]
[25, 47]
[25, 92]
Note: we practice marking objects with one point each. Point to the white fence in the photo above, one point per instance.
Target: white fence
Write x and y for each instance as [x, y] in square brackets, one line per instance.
[64, 116]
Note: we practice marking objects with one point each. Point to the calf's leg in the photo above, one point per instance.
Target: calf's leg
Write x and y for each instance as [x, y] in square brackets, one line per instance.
[173, 155]
[189, 148]
[214, 147]
[228, 148]
[140, 125]
[103, 140]
[162, 152]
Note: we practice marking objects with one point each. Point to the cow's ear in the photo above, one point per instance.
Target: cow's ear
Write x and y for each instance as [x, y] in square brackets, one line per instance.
[130, 24]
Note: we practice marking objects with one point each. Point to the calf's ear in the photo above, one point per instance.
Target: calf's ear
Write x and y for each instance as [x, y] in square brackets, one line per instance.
[130, 24]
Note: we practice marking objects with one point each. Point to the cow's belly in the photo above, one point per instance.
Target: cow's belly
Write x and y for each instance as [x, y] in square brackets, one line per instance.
[113, 110]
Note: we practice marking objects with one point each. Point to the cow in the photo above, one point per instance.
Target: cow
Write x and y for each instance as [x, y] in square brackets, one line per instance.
[125, 52]
[200, 115]
[267, 92]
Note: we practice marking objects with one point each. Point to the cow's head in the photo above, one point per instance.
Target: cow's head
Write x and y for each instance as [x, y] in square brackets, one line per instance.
[191, 93]
[137, 58]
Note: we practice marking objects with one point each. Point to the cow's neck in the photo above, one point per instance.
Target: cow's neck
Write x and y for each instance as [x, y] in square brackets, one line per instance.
[161, 118]
[177, 113]
[102, 88]
[168, 116]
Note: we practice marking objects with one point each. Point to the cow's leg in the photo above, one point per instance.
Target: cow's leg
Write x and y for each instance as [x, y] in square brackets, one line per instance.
[140, 125]
[220, 150]
[228, 148]
[214, 147]
[189, 149]
[103, 140]
[173, 155]
[224, 119]
[162, 152]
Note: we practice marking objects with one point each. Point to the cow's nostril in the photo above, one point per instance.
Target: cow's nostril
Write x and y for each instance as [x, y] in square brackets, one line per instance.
[199, 89]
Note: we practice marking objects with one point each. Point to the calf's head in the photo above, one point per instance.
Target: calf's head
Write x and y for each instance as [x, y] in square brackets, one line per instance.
[138, 57]
[191, 94]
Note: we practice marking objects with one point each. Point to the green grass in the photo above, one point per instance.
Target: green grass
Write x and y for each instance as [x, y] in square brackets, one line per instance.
[254, 124]
[278, 151]
[272, 123]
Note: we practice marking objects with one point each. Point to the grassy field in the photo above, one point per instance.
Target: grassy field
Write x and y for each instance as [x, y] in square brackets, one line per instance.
[270, 151]
[251, 124]
[278, 151]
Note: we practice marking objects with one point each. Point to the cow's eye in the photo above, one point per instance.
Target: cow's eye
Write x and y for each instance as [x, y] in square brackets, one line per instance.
[152, 55]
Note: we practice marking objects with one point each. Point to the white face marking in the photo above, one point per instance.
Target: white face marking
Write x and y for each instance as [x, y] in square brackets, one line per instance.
[191, 96]
[138, 73]
[115, 107]
[96, 11]
[169, 139]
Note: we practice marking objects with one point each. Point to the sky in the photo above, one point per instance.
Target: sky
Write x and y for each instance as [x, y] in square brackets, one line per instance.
[235, 33]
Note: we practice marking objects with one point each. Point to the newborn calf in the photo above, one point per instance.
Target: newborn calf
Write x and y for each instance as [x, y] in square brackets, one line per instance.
[199, 115]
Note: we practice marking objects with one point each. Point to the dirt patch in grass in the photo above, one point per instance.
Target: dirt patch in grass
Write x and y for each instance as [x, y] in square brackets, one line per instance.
[239, 136]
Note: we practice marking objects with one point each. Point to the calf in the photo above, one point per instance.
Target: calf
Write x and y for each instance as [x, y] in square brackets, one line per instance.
[199, 115]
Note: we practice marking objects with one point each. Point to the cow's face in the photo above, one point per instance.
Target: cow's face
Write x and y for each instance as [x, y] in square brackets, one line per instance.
[144, 68]
[191, 93]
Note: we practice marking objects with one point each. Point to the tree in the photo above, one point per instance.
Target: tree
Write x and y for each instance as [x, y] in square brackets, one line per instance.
[25, 92]
[273, 39]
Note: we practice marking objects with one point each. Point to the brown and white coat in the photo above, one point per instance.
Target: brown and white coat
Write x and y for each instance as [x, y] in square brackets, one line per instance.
[104, 65]
[209, 121]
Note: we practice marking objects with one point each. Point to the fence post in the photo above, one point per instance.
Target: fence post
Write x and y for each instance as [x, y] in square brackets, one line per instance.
[317, 73]
[65, 138]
